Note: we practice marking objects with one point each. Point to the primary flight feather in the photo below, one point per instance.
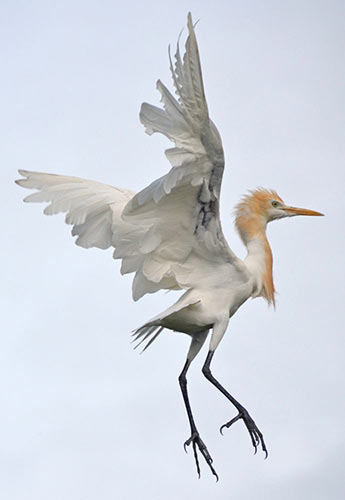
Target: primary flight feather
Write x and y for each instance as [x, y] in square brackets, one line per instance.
[169, 234]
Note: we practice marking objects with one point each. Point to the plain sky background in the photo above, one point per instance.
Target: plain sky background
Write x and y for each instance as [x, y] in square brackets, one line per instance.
[83, 416]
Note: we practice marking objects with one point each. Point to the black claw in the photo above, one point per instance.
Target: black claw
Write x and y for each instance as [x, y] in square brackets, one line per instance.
[197, 443]
[254, 433]
[187, 443]
[228, 424]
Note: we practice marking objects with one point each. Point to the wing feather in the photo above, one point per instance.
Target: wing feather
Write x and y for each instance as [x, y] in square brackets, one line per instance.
[90, 206]
[182, 207]
[169, 234]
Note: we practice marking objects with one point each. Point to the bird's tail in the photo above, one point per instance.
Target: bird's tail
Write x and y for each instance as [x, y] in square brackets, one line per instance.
[154, 326]
[144, 332]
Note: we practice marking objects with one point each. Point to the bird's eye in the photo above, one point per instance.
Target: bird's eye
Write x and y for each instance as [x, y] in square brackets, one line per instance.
[275, 204]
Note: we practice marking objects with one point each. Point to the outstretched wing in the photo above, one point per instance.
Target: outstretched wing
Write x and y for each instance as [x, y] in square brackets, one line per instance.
[91, 207]
[169, 234]
[181, 209]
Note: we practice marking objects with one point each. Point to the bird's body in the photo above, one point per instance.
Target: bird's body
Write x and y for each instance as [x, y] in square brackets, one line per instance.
[169, 234]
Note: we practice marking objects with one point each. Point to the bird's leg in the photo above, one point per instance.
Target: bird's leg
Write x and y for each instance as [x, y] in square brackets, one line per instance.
[255, 434]
[194, 439]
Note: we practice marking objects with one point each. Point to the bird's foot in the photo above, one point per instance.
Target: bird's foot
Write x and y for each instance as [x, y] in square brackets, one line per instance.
[255, 434]
[197, 443]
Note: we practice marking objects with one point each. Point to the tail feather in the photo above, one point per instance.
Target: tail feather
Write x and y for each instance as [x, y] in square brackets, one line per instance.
[144, 332]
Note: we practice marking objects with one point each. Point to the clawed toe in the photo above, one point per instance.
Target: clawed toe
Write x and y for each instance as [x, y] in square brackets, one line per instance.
[256, 435]
[228, 424]
[198, 444]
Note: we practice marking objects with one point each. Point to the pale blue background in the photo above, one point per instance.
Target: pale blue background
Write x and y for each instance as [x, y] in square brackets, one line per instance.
[82, 415]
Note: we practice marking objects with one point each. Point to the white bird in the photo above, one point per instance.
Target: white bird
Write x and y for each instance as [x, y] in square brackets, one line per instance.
[169, 234]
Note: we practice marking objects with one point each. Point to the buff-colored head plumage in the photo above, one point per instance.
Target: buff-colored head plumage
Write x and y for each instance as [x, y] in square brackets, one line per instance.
[253, 211]
[251, 216]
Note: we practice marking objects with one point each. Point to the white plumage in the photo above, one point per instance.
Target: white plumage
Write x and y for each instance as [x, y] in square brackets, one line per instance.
[169, 234]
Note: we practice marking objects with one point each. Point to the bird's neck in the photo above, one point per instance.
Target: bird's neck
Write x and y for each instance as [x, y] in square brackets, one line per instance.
[259, 260]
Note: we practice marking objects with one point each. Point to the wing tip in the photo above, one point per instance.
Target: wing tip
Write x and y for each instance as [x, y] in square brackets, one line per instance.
[25, 175]
[190, 23]
[23, 172]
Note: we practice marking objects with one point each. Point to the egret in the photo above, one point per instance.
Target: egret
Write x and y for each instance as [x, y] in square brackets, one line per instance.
[169, 234]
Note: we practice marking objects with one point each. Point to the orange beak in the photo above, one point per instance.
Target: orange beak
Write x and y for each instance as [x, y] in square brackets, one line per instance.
[301, 211]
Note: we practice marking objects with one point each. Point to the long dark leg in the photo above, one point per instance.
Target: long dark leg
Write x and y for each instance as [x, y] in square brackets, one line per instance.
[255, 434]
[194, 439]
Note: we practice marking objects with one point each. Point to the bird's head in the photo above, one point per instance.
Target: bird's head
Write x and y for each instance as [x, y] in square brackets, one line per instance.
[261, 206]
